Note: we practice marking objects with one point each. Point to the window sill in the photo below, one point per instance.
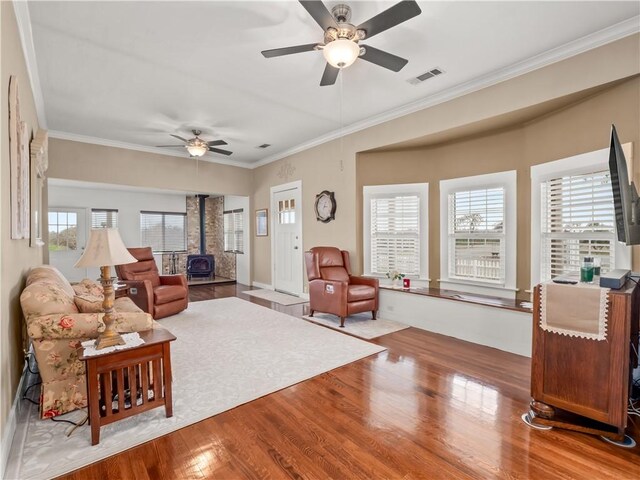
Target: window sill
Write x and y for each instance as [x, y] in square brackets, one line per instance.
[485, 300]
[478, 288]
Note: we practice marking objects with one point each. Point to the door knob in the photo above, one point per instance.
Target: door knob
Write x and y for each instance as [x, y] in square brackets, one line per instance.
[295, 248]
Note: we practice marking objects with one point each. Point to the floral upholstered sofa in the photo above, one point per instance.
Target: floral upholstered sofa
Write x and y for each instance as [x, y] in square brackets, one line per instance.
[53, 310]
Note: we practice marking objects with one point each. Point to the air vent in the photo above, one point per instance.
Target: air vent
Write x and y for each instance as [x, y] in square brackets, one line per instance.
[426, 76]
[264, 145]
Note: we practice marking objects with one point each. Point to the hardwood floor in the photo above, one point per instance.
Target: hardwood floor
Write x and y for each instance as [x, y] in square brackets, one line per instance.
[428, 407]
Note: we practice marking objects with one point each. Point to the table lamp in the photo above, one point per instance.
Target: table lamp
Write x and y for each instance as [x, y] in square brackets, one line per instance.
[104, 249]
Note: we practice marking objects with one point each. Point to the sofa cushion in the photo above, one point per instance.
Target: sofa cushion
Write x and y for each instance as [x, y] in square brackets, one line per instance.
[51, 274]
[125, 305]
[88, 287]
[168, 293]
[356, 293]
[89, 303]
[46, 298]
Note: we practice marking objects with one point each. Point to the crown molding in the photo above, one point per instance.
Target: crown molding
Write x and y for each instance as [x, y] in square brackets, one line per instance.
[594, 40]
[23, 19]
[74, 137]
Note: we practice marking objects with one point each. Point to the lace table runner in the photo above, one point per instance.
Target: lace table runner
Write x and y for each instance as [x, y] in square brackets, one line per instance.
[575, 310]
[130, 340]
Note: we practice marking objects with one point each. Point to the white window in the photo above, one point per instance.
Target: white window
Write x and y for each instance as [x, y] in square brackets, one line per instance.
[396, 230]
[478, 234]
[104, 218]
[163, 231]
[573, 217]
[63, 230]
[234, 231]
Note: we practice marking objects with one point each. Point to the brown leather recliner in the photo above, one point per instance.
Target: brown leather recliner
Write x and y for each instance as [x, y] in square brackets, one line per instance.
[332, 288]
[159, 295]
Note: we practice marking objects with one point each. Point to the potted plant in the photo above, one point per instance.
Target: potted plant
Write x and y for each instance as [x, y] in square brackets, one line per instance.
[395, 276]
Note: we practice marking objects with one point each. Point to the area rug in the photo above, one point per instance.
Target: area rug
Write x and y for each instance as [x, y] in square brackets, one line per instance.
[277, 297]
[228, 352]
[359, 325]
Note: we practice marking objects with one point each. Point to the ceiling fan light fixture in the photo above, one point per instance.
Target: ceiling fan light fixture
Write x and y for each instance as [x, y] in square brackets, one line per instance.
[341, 53]
[197, 150]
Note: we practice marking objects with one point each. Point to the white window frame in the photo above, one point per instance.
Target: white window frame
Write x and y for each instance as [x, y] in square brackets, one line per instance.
[419, 189]
[576, 165]
[236, 220]
[164, 214]
[106, 211]
[508, 181]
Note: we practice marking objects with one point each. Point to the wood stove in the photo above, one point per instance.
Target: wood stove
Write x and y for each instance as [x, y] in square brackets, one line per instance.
[201, 266]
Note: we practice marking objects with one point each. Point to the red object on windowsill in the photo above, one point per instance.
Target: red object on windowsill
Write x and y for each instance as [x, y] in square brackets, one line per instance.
[406, 283]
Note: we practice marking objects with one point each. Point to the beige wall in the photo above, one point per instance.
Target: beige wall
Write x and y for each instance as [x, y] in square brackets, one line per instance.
[576, 129]
[332, 166]
[16, 257]
[97, 163]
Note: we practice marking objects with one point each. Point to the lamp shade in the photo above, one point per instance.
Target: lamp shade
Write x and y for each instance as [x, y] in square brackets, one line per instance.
[104, 248]
[341, 52]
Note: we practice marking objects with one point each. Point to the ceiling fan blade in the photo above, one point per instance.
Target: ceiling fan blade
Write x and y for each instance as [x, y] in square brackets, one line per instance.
[384, 59]
[216, 142]
[164, 146]
[400, 12]
[218, 150]
[179, 138]
[320, 14]
[329, 76]
[278, 52]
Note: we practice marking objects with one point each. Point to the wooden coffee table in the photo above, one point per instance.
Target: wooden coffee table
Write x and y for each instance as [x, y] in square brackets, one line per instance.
[127, 382]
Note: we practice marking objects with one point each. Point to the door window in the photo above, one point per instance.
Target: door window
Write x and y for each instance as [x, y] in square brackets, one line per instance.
[63, 230]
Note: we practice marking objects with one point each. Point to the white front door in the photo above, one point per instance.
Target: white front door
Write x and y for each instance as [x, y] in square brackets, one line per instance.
[67, 238]
[287, 238]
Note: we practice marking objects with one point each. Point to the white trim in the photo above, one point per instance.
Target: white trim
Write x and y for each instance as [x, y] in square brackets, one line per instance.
[507, 180]
[10, 427]
[573, 48]
[264, 286]
[297, 184]
[420, 189]
[594, 40]
[141, 148]
[597, 160]
[23, 19]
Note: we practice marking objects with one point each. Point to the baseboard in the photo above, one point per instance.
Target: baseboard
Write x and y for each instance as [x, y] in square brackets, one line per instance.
[304, 295]
[10, 428]
[262, 285]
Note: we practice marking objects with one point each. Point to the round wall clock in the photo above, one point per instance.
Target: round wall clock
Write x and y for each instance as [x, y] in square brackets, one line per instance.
[325, 206]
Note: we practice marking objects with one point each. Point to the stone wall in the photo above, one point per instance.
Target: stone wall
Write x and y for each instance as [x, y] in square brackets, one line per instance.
[214, 228]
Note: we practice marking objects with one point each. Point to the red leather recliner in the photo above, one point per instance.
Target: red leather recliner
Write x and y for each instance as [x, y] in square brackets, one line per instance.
[332, 288]
[159, 295]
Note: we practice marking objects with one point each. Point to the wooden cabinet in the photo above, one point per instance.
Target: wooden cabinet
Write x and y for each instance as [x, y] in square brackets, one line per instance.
[583, 384]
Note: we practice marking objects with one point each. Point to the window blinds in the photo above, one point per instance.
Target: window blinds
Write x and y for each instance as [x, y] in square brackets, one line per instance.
[477, 235]
[104, 218]
[234, 231]
[578, 220]
[163, 232]
[395, 234]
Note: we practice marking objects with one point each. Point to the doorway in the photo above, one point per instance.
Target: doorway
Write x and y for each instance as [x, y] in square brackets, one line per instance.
[286, 242]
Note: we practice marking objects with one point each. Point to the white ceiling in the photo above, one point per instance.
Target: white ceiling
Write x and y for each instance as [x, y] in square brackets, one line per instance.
[133, 72]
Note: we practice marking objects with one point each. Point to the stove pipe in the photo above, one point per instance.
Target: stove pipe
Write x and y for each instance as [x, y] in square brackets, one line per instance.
[203, 233]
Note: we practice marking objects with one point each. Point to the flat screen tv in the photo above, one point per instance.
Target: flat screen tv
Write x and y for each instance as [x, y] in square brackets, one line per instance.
[625, 195]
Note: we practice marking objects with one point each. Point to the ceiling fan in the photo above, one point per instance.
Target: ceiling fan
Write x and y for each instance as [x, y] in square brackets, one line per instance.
[198, 147]
[341, 47]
